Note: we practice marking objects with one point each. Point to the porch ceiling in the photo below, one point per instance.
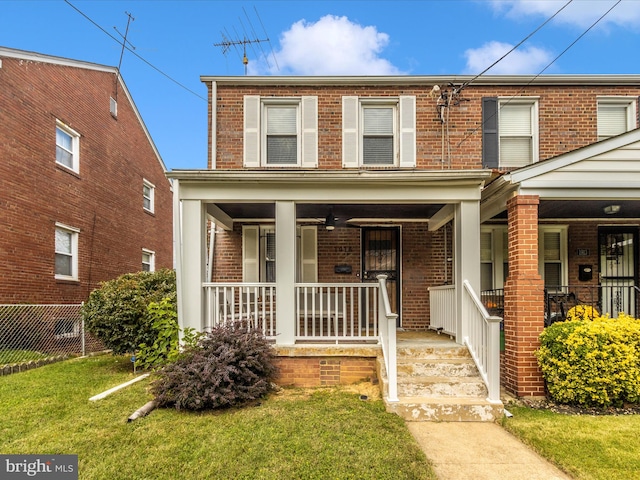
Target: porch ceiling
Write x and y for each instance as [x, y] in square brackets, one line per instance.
[342, 212]
[584, 209]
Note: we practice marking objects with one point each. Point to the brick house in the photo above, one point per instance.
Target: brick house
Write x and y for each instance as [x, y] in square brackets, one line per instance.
[399, 205]
[84, 194]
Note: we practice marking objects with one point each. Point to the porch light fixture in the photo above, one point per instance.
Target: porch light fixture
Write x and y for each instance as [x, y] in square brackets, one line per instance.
[330, 222]
[611, 209]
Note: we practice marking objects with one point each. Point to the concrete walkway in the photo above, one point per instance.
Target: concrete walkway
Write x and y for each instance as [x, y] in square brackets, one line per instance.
[480, 451]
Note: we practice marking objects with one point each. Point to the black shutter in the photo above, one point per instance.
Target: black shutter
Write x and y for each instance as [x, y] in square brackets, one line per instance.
[490, 154]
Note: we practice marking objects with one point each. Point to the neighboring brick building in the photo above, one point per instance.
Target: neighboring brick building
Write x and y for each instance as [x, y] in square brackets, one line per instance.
[83, 191]
[520, 187]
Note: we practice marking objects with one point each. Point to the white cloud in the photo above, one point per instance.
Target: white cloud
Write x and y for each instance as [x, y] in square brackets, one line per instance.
[580, 13]
[523, 60]
[331, 46]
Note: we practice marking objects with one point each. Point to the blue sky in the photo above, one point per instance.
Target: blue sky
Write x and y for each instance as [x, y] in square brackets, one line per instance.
[349, 37]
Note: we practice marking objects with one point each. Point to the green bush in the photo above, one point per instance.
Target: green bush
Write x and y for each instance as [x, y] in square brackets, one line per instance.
[166, 347]
[592, 363]
[230, 366]
[117, 312]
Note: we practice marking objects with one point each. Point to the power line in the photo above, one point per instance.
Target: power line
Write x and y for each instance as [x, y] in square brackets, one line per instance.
[541, 71]
[134, 53]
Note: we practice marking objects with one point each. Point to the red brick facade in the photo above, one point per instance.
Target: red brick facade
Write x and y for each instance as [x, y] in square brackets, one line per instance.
[103, 201]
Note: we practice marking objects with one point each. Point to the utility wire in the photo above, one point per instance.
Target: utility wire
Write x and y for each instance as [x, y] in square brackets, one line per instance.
[544, 69]
[523, 40]
[125, 46]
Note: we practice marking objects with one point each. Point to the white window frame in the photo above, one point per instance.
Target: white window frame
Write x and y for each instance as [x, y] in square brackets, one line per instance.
[74, 234]
[75, 328]
[150, 198]
[628, 103]
[562, 230]
[151, 255]
[404, 130]
[534, 135]
[498, 252]
[255, 120]
[75, 147]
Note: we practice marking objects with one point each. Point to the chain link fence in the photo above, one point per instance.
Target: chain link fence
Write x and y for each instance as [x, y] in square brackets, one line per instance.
[34, 335]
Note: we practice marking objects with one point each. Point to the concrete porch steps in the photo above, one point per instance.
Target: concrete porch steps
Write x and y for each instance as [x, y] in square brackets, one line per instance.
[438, 381]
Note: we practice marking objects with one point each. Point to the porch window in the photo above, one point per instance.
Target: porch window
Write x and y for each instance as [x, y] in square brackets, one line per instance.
[259, 254]
[616, 115]
[280, 131]
[379, 131]
[67, 147]
[66, 252]
[494, 257]
[552, 256]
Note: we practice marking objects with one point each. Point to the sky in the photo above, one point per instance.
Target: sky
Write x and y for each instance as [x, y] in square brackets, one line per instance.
[173, 43]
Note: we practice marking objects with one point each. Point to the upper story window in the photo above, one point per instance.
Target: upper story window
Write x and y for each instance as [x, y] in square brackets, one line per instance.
[148, 260]
[67, 147]
[616, 115]
[148, 196]
[280, 131]
[510, 132]
[379, 131]
[66, 251]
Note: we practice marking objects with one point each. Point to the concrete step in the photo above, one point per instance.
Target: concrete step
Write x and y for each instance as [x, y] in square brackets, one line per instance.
[446, 409]
[450, 367]
[441, 386]
[433, 352]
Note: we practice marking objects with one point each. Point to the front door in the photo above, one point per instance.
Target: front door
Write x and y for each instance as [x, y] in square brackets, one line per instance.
[381, 256]
[618, 254]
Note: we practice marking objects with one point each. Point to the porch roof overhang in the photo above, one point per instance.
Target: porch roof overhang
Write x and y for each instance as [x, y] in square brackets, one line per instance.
[577, 184]
[363, 195]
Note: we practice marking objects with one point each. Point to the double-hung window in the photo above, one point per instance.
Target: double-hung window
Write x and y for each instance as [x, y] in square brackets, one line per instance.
[259, 253]
[67, 147]
[148, 260]
[494, 261]
[280, 132]
[510, 132]
[66, 252]
[552, 256]
[379, 131]
[148, 194]
[616, 115]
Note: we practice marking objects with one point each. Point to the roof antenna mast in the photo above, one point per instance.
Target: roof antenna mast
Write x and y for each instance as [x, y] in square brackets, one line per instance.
[248, 38]
[124, 45]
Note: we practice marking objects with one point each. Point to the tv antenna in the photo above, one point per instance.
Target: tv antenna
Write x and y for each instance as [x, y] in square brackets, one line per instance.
[250, 38]
[124, 44]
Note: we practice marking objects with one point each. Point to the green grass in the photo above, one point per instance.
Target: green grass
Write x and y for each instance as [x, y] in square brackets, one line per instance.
[323, 434]
[19, 356]
[586, 446]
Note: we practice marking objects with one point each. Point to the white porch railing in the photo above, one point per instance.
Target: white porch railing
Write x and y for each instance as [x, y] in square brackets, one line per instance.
[387, 320]
[337, 312]
[483, 340]
[442, 308]
[253, 303]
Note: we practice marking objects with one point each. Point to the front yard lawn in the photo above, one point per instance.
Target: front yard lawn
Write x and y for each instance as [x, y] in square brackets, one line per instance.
[326, 433]
[588, 447]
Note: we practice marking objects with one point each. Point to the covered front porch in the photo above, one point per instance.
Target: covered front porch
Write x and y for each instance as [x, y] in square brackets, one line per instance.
[231, 226]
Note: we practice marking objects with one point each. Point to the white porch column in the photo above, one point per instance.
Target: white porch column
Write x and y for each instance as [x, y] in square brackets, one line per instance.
[467, 259]
[285, 272]
[191, 269]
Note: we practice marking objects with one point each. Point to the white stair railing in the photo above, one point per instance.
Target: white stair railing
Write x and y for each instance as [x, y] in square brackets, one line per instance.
[387, 321]
[483, 341]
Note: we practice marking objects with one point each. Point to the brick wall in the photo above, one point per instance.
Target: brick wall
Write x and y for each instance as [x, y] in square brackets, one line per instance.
[104, 200]
[324, 371]
[567, 120]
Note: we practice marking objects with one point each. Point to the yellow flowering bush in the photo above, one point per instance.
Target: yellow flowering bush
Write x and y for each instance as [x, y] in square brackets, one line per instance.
[582, 312]
[592, 363]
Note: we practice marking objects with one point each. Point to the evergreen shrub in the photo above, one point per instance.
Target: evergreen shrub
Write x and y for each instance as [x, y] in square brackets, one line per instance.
[592, 363]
